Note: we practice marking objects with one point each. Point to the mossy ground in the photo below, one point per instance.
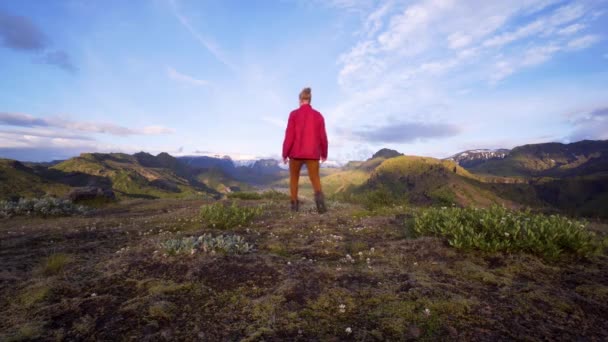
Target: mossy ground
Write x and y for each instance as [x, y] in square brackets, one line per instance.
[114, 282]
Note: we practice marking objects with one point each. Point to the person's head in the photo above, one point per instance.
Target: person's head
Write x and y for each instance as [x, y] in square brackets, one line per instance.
[305, 96]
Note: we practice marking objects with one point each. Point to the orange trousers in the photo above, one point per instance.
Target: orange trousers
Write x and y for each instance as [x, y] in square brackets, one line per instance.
[295, 165]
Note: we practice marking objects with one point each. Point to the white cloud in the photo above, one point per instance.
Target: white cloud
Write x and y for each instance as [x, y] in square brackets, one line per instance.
[544, 25]
[187, 79]
[458, 40]
[570, 29]
[156, 130]
[407, 37]
[582, 42]
[412, 62]
[375, 21]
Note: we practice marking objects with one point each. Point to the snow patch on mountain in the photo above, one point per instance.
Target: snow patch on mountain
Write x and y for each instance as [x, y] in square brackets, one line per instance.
[477, 156]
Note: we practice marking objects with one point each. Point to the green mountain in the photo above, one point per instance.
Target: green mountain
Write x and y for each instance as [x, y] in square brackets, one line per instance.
[17, 179]
[140, 175]
[570, 178]
[413, 180]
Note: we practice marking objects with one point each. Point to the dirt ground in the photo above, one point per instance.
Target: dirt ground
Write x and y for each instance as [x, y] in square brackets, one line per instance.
[105, 277]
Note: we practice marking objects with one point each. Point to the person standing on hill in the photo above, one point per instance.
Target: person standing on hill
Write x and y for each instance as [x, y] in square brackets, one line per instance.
[305, 143]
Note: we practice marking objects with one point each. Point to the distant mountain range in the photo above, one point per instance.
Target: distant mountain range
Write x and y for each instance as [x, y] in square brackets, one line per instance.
[571, 178]
[581, 158]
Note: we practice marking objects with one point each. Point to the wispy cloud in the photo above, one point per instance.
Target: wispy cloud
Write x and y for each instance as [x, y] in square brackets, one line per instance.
[355, 6]
[44, 134]
[206, 42]
[183, 78]
[571, 29]
[582, 42]
[21, 34]
[26, 120]
[418, 55]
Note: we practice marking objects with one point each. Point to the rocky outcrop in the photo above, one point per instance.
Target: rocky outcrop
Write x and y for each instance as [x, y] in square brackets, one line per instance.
[91, 193]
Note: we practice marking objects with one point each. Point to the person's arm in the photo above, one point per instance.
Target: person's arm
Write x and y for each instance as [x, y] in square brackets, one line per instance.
[323, 141]
[289, 137]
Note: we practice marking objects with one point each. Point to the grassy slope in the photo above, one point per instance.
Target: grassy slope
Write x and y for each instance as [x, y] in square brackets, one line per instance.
[572, 178]
[419, 180]
[130, 179]
[19, 180]
[220, 182]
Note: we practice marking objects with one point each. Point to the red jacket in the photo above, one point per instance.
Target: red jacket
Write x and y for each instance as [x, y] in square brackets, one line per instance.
[305, 137]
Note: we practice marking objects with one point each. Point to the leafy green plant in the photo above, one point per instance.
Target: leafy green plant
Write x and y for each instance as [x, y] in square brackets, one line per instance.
[223, 216]
[229, 244]
[501, 230]
[47, 206]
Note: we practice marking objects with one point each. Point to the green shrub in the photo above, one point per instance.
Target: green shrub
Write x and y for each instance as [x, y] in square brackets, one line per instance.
[55, 263]
[229, 244]
[501, 230]
[48, 206]
[222, 216]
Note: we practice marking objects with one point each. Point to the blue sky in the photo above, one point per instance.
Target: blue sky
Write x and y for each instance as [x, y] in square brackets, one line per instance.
[220, 77]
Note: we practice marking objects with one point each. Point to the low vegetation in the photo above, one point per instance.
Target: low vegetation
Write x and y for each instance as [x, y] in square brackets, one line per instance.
[372, 200]
[54, 264]
[227, 244]
[221, 216]
[501, 230]
[250, 195]
[161, 270]
[47, 206]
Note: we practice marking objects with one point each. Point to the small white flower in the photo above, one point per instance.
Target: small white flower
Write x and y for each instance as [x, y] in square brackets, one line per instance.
[342, 308]
[93, 294]
[506, 234]
[368, 261]
[289, 263]
[372, 250]
[427, 312]
[360, 254]
[348, 330]
[415, 263]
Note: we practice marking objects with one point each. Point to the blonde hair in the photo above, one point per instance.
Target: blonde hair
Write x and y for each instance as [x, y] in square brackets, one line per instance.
[306, 94]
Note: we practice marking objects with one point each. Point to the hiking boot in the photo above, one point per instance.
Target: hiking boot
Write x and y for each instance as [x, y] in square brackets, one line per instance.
[320, 202]
[295, 205]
